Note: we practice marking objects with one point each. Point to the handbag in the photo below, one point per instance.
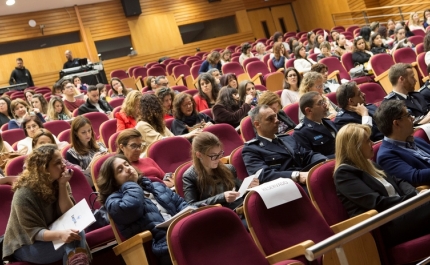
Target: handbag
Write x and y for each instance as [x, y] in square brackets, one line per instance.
[6, 156]
[357, 71]
[101, 215]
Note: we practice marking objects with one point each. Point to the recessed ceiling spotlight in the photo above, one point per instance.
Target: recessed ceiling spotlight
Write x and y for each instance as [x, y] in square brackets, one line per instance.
[10, 2]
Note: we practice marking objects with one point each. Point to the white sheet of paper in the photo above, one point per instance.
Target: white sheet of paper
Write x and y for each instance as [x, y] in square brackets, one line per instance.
[166, 223]
[78, 217]
[278, 191]
[245, 183]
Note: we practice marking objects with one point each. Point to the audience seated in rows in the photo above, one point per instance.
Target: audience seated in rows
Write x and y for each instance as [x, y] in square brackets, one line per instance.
[279, 57]
[166, 96]
[118, 88]
[69, 93]
[355, 110]
[247, 87]
[272, 100]
[260, 49]
[212, 61]
[326, 52]
[302, 63]
[330, 85]
[315, 132]
[39, 104]
[188, 122]
[57, 110]
[246, 53]
[228, 108]
[279, 156]
[225, 57]
[377, 45]
[361, 54]
[127, 117]
[228, 79]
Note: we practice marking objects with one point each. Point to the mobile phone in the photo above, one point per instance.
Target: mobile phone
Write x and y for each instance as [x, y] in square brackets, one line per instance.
[167, 176]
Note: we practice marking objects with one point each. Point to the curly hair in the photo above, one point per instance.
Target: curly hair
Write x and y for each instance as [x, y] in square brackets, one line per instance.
[309, 80]
[114, 91]
[131, 103]
[151, 111]
[179, 99]
[163, 92]
[36, 176]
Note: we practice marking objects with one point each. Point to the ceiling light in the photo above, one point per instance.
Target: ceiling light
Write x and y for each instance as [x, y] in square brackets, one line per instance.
[10, 2]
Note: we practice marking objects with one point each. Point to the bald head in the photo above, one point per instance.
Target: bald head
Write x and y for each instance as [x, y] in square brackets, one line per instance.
[69, 55]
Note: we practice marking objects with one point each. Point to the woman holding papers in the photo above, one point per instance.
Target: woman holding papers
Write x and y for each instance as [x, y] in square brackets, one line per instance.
[42, 195]
[136, 204]
[362, 185]
[208, 180]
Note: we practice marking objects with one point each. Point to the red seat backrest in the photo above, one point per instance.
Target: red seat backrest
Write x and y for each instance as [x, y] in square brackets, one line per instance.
[227, 135]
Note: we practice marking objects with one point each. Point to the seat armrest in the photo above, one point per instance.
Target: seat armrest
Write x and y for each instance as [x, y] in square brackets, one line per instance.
[135, 241]
[352, 221]
[381, 76]
[290, 253]
[256, 77]
[334, 75]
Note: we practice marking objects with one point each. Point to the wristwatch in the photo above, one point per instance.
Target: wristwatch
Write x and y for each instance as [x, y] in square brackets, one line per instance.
[295, 176]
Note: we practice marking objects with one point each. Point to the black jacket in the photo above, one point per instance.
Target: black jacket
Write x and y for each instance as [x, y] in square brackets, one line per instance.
[378, 50]
[417, 104]
[360, 57]
[71, 64]
[179, 126]
[19, 76]
[360, 192]
[88, 107]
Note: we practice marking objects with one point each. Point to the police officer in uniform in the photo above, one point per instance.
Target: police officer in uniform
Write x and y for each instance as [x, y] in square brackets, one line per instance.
[355, 110]
[403, 80]
[315, 132]
[280, 156]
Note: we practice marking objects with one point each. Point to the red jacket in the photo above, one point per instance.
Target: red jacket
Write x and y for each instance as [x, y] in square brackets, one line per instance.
[124, 122]
[201, 103]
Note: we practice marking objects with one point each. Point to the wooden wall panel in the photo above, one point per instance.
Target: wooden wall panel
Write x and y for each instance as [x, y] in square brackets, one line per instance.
[15, 27]
[286, 13]
[257, 17]
[255, 4]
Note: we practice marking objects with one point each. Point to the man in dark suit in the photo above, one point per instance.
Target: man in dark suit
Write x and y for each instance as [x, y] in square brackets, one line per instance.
[279, 156]
[355, 110]
[315, 132]
[403, 80]
[402, 155]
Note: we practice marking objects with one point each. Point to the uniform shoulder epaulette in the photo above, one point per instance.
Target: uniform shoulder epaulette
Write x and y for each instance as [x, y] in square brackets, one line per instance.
[255, 140]
[390, 96]
[298, 126]
[422, 88]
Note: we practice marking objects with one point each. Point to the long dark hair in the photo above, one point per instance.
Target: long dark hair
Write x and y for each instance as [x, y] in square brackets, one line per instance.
[225, 98]
[208, 182]
[80, 148]
[9, 111]
[208, 78]
[179, 99]
[152, 112]
[106, 181]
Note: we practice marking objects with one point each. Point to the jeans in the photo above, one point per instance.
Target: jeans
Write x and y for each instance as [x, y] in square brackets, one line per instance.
[42, 252]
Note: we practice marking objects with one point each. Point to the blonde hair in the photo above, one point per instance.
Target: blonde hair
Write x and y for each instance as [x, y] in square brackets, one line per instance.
[349, 140]
[131, 103]
[411, 19]
[52, 114]
[308, 81]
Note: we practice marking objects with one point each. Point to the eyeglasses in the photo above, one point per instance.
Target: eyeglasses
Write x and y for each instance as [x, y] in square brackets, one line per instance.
[69, 86]
[116, 84]
[164, 84]
[34, 126]
[136, 146]
[321, 102]
[217, 156]
[408, 115]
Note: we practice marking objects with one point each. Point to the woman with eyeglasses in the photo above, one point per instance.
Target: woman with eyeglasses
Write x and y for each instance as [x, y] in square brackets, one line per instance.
[314, 81]
[31, 126]
[20, 110]
[58, 111]
[5, 111]
[70, 93]
[302, 63]
[247, 87]
[118, 88]
[188, 122]
[130, 144]
[126, 118]
[166, 96]
[361, 54]
[136, 204]
[208, 92]
[290, 93]
[362, 185]
[208, 180]
[228, 108]
[39, 104]
[151, 124]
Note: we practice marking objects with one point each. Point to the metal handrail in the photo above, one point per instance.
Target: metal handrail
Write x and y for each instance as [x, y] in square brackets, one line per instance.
[366, 226]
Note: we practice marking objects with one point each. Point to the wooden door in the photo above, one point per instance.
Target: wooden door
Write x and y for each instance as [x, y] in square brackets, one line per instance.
[283, 18]
[261, 21]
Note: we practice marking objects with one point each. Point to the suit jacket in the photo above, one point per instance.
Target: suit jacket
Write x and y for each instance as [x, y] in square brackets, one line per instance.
[316, 137]
[360, 192]
[275, 160]
[417, 105]
[344, 117]
[402, 164]
[425, 91]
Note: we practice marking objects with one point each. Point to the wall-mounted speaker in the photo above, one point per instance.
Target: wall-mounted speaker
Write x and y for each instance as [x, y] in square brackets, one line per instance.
[131, 7]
